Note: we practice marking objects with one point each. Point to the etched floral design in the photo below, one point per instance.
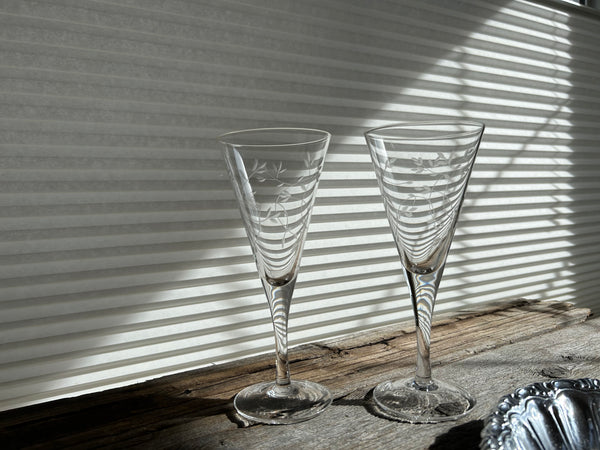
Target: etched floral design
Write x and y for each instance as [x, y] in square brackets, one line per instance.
[423, 191]
[275, 172]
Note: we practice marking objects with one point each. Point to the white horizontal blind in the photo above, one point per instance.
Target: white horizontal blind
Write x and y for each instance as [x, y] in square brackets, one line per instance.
[122, 253]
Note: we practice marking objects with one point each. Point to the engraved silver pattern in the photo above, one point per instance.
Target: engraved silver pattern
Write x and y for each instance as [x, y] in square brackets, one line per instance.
[558, 414]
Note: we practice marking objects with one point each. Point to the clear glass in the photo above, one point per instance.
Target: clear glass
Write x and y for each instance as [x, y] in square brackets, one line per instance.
[422, 169]
[275, 173]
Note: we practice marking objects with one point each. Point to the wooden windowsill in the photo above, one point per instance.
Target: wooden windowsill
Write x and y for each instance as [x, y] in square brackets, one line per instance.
[491, 352]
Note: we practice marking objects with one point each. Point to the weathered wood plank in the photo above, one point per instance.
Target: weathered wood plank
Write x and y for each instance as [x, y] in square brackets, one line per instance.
[194, 409]
[350, 424]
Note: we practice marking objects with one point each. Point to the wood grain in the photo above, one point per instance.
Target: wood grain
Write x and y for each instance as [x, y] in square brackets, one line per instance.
[490, 351]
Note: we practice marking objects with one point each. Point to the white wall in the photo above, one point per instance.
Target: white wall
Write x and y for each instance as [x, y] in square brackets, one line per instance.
[122, 252]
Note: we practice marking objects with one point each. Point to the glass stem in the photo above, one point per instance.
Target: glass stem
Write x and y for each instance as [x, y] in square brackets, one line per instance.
[423, 290]
[280, 298]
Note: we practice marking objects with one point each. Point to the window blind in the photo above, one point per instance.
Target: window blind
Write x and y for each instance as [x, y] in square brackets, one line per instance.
[122, 253]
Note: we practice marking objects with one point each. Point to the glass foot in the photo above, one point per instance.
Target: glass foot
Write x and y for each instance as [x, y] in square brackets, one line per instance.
[273, 404]
[407, 401]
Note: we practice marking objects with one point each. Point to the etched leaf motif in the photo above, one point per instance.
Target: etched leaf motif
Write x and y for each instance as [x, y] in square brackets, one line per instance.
[284, 196]
[276, 174]
[257, 168]
[271, 213]
[419, 166]
[311, 161]
[406, 212]
[442, 160]
[389, 164]
[279, 169]
[277, 215]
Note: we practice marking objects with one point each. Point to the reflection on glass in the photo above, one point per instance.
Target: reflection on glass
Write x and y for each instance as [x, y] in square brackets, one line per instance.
[275, 173]
[422, 170]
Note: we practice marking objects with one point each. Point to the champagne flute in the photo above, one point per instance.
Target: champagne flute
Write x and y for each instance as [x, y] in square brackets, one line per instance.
[275, 173]
[422, 169]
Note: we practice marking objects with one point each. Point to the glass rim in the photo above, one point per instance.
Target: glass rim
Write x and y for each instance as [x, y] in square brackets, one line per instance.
[444, 134]
[326, 135]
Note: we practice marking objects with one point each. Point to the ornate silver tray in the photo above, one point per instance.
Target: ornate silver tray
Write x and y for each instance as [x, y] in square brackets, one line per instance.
[559, 414]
